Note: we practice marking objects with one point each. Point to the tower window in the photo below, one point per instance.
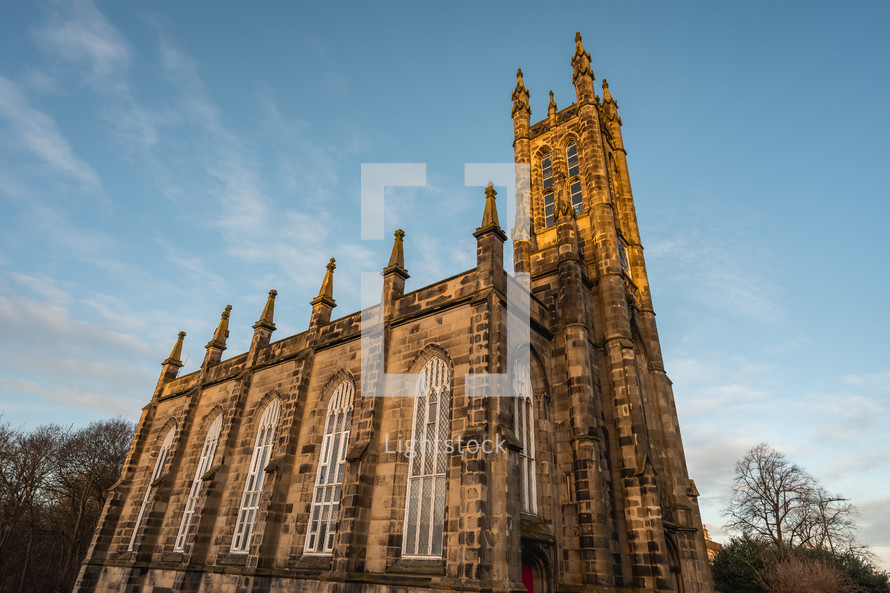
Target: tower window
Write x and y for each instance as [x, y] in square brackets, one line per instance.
[204, 464]
[425, 508]
[577, 198]
[253, 487]
[524, 416]
[155, 474]
[329, 476]
[547, 172]
[622, 255]
[574, 179]
[549, 208]
[547, 182]
[572, 158]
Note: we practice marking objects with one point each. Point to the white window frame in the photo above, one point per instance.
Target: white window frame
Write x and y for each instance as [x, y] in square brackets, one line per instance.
[549, 201]
[161, 460]
[524, 417]
[204, 464]
[424, 526]
[575, 191]
[253, 486]
[322, 525]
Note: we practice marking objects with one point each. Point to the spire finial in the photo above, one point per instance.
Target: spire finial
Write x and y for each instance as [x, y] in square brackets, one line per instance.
[520, 96]
[268, 312]
[610, 105]
[551, 109]
[397, 257]
[222, 330]
[175, 358]
[581, 60]
[490, 216]
[607, 96]
[326, 293]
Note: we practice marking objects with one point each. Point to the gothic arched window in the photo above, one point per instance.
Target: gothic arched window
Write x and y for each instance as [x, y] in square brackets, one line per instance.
[547, 183]
[524, 414]
[425, 507]
[329, 476]
[204, 463]
[253, 487]
[574, 178]
[155, 475]
[622, 256]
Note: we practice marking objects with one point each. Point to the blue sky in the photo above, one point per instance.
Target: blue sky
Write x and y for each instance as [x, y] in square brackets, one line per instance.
[161, 160]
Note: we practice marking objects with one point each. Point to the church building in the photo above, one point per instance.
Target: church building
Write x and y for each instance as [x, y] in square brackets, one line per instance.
[286, 469]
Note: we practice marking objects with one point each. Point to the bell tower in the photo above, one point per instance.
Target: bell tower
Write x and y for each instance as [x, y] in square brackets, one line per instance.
[629, 496]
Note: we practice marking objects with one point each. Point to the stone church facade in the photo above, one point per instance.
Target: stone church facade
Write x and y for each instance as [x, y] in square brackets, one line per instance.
[280, 470]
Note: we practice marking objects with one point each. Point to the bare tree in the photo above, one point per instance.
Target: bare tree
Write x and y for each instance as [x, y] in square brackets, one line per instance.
[88, 463]
[53, 485]
[27, 463]
[779, 502]
[830, 524]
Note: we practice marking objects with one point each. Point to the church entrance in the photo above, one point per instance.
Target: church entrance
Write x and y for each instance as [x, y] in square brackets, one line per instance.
[535, 572]
[675, 567]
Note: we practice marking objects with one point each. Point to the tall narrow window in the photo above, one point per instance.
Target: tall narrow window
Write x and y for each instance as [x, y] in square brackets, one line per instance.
[155, 474]
[547, 178]
[204, 463]
[329, 476]
[572, 159]
[574, 178]
[525, 433]
[425, 508]
[250, 500]
[622, 255]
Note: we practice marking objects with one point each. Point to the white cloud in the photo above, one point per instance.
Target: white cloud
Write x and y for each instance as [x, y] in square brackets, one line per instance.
[33, 322]
[718, 265]
[874, 527]
[42, 287]
[42, 339]
[38, 134]
[257, 228]
[107, 404]
[80, 34]
[872, 381]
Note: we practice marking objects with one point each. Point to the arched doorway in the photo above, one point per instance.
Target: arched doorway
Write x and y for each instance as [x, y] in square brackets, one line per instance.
[674, 558]
[535, 571]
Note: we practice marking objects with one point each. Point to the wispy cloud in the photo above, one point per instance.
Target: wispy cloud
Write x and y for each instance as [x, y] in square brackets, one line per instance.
[80, 33]
[256, 227]
[872, 381]
[41, 338]
[716, 273]
[38, 134]
[79, 36]
[846, 416]
[43, 287]
[875, 522]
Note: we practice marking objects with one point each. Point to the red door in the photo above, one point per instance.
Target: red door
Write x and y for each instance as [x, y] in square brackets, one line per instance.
[528, 577]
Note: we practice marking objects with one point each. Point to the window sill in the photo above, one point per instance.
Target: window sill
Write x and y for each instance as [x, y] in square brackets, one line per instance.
[419, 565]
[316, 561]
[174, 557]
[233, 559]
